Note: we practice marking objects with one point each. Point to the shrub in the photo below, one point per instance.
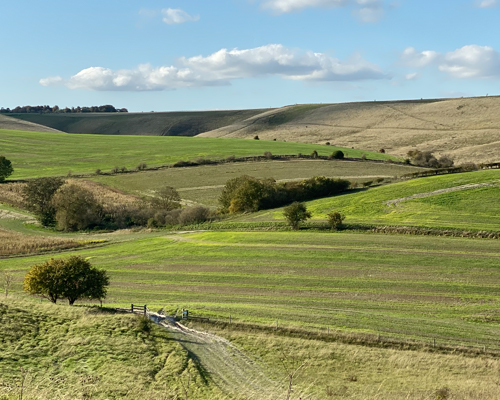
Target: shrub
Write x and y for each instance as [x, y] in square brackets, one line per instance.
[363, 157]
[382, 151]
[268, 155]
[6, 169]
[256, 137]
[167, 198]
[194, 215]
[337, 155]
[296, 213]
[98, 171]
[123, 169]
[427, 159]
[335, 220]
[327, 143]
[314, 154]
[230, 158]
[367, 183]
[141, 167]
[115, 170]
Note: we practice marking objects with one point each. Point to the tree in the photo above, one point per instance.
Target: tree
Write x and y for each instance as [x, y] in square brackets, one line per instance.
[338, 155]
[296, 213]
[167, 198]
[335, 219]
[37, 196]
[6, 169]
[76, 209]
[8, 278]
[73, 278]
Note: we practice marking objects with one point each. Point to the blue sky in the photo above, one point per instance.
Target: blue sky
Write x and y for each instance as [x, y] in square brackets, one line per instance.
[165, 55]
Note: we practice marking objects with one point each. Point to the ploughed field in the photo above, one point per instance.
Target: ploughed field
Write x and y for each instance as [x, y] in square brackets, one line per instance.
[398, 286]
[35, 154]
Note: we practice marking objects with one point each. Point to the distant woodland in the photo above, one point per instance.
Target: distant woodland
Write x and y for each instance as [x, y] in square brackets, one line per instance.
[51, 110]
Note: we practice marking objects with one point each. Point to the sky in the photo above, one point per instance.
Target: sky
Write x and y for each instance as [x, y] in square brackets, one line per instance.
[170, 55]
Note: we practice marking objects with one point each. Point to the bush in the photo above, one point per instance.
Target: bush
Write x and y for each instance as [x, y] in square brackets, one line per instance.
[141, 167]
[123, 169]
[427, 159]
[167, 198]
[335, 220]
[194, 215]
[73, 278]
[296, 213]
[98, 171]
[337, 155]
[6, 169]
[256, 137]
[314, 154]
[382, 151]
[268, 155]
[115, 170]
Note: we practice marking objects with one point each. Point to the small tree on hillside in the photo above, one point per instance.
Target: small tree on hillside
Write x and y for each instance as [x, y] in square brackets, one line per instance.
[8, 278]
[296, 213]
[72, 279]
[37, 197]
[167, 198]
[6, 169]
[338, 155]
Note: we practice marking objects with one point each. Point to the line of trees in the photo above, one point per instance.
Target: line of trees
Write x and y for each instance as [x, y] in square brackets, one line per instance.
[69, 207]
[249, 194]
[55, 110]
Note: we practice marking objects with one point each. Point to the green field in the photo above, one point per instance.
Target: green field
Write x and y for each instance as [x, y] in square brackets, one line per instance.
[407, 287]
[35, 154]
[476, 208]
[203, 184]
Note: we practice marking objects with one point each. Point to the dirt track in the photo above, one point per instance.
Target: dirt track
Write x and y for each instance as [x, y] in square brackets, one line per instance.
[236, 374]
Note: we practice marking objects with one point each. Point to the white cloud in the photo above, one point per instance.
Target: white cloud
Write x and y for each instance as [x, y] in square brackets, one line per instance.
[468, 62]
[223, 66]
[486, 3]
[472, 62]
[177, 16]
[365, 10]
[412, 76]
[412, 58]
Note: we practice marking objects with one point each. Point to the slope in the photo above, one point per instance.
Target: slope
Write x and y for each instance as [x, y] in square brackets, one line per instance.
[158, 124]
[468, 129]
[20, 125]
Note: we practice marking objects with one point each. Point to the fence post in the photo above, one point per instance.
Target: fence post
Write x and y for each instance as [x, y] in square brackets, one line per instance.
[145, 308]
[132, 308]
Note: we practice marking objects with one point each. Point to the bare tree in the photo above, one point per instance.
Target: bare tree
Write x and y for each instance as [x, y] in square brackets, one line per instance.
[291, 366]
[8, 278]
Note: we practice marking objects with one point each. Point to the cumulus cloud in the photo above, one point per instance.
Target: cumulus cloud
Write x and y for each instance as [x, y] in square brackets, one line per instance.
[468, 62]
[223, 66]
[365, 10]
[177, 16]
[486, 3]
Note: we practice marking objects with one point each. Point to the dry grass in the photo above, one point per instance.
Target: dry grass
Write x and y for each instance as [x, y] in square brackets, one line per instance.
[20, 125]
[11, 193]
[467, 129]
[12, 243]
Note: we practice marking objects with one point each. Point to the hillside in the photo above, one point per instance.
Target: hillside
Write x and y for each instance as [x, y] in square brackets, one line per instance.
[21, 125]
[34, 154]
[467, 129]
[158, 124]
[468, 201]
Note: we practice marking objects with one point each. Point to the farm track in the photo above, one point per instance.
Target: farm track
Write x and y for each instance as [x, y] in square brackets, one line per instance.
[236, 374]
[440, 191]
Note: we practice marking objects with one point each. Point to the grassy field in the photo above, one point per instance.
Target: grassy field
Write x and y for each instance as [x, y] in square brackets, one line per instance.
[477, 207]
[35, 154]
[467, 129]
[399, 286]
[154, 123]
[203, 184]
[77, 353]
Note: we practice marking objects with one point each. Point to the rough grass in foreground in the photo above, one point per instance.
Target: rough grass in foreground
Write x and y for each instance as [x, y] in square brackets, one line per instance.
[78, 353]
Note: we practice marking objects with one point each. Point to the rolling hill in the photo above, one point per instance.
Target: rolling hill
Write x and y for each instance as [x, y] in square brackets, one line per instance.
[21, 125]
[158, 124]
[467, 129]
